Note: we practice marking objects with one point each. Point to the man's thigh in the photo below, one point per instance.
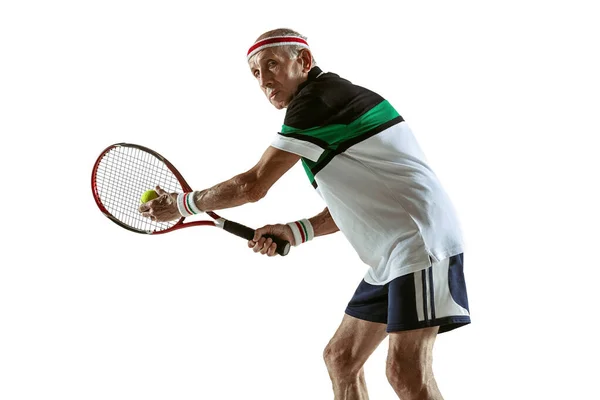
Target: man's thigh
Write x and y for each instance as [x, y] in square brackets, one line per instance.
[412, 341]
[409, 366]
[415, 345]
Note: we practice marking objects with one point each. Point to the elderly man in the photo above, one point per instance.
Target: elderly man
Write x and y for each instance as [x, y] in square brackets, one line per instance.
[367, 166]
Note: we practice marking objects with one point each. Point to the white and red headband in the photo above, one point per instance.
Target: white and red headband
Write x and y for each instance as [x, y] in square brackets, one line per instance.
[276, 41]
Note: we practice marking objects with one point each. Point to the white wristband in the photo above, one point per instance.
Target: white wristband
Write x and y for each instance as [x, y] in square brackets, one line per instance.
[302, 230]
[192, 203]
[186, 205]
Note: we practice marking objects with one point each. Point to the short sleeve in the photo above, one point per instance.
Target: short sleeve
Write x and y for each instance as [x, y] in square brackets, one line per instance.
[302, 131]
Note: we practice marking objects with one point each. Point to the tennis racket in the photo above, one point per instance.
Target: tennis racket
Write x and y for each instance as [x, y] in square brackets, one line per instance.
[124, 171]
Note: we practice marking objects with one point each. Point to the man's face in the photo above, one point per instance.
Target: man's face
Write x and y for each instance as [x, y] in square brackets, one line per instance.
[278, 75]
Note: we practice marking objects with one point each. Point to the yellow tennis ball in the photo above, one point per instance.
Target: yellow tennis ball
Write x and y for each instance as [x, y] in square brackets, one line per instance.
[148, 195]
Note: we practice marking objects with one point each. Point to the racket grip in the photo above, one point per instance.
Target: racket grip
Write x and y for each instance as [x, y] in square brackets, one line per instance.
[283, 246]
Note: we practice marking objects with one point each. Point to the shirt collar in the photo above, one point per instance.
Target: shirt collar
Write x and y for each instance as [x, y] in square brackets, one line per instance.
[312, 75]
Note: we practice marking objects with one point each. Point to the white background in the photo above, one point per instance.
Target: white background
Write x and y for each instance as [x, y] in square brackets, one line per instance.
[503, 98]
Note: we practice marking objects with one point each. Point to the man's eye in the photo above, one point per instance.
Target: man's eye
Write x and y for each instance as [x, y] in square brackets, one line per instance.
[272, 64]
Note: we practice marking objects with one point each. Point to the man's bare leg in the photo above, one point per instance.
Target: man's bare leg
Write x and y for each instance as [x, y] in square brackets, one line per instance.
[410, 364]
[351, 345]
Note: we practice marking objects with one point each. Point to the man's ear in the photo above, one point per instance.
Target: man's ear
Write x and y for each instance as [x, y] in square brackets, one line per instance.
[305, 59]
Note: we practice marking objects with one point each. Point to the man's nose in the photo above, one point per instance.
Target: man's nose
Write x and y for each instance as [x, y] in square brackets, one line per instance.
[266, 80]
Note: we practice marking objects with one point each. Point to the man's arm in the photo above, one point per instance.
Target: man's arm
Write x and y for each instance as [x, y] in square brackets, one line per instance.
[249, 186]
[323, 224]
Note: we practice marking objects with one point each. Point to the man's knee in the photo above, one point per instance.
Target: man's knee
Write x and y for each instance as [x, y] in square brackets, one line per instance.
[340, 360]
[409, 375]
[410, 372]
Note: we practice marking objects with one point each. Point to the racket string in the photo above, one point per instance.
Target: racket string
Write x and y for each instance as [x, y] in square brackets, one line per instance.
[123, 174]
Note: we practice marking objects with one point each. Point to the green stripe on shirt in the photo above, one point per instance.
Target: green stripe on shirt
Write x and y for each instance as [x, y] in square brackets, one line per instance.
[336, 133]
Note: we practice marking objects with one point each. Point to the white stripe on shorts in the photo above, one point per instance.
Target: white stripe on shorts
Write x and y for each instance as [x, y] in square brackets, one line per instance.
[421, 295]
[443, 303]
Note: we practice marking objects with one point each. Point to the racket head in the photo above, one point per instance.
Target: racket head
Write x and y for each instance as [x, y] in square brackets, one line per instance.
[124, 171]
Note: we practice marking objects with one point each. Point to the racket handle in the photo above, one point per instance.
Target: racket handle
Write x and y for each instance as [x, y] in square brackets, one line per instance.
[283, 246]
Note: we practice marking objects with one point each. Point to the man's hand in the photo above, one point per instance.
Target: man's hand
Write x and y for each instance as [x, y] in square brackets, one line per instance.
[161, 209]
[262, 245]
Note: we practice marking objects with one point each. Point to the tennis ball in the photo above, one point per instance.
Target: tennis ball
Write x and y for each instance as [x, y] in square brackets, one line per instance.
[148, 195]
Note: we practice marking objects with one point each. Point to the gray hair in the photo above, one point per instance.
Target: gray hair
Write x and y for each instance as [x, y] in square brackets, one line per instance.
[291, 50]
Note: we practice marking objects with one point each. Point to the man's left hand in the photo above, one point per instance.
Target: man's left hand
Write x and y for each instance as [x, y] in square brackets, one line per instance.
[161, 209]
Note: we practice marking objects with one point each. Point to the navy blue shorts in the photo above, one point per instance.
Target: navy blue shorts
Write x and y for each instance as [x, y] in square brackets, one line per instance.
[436, 296]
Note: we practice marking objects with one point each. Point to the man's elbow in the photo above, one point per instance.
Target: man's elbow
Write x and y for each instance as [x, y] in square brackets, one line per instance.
[251, 187]
[255, 193]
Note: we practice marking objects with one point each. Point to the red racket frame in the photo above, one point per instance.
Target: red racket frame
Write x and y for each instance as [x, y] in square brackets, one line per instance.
[184, 185]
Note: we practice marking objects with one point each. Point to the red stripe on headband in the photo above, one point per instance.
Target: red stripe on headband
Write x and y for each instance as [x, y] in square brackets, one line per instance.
[277, 40]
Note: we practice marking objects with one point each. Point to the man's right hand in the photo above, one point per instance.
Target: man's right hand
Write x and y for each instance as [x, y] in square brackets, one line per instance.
[262, 245]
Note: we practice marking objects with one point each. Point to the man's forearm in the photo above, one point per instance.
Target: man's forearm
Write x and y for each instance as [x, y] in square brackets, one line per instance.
[323, 224]
[240, 189]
